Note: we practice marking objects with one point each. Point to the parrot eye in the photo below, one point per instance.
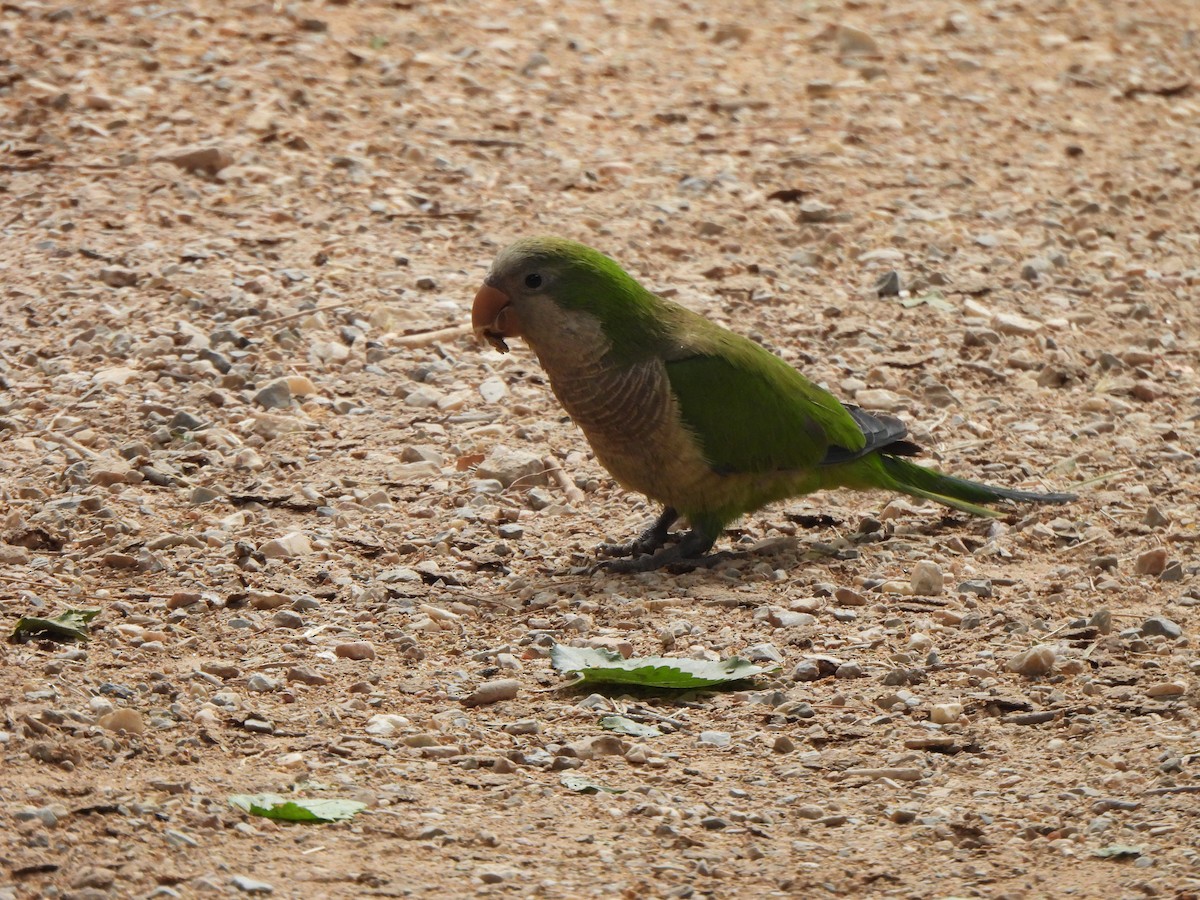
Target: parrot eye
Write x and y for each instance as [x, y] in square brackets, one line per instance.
[533, 280]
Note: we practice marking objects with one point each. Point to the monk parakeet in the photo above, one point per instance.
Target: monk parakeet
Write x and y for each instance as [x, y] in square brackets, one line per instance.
[700, 419]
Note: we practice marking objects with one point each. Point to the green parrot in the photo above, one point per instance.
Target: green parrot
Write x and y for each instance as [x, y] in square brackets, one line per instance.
[702, 420]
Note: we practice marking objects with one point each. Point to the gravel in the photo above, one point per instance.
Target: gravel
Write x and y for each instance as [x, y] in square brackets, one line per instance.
[242, 416]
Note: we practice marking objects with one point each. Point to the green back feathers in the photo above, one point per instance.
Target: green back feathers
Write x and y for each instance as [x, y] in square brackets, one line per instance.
[751, 411]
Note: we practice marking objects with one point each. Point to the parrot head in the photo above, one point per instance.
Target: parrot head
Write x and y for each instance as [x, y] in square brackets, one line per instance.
[557, 294]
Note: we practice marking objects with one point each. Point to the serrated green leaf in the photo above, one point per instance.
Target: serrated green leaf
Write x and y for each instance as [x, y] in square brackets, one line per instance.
[575, 659]
[604, 667]
[71, 625]
[582, 785]
[284, 809]
[1117, 851]
[623, 725]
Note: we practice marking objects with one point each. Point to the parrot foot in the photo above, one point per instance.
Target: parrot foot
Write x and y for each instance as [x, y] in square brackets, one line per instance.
[648, 541]
[688, 554]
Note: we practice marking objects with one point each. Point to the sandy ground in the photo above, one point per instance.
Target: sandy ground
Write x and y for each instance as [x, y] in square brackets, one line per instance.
[242, 416]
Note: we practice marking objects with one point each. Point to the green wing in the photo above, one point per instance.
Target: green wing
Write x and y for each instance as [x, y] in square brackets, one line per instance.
[751, 411]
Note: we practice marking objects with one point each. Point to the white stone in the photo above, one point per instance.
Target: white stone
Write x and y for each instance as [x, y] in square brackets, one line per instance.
[385, 725]
[294, 543]
[879, 400]
[927, 579]
[1034, 662]
[945, 713]
[508, 466]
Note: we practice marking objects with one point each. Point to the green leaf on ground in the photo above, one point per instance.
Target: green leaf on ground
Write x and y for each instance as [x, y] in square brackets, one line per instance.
[622, 725]
[582, 785]
[283, 809]
[70, 626]
[605, 667]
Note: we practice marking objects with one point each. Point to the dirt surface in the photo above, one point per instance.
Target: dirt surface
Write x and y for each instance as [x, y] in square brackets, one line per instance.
[242, 416]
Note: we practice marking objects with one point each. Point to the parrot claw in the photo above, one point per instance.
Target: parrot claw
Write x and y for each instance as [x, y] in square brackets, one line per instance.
[691, 552]
[675, 563]
[650, 540]
[639, 546]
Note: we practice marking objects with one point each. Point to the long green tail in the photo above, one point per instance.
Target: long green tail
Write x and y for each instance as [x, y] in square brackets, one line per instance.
[959, 493]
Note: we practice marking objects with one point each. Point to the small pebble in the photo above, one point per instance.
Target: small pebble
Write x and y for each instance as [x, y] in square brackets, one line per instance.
[250, 885]
[294, 543]
[1173, 571]
[266, 599]
[286, 618]
[763, 653]
[945, 713]
[47, 815]
[1031, 718]
[94, 877]
[806, 670]
[1161, 625]
[879, 400]
[595, 746]
[902, 773]
[183, 599]
[1008, 323]
[639, 755]
[127, 720]
[305, 675]
[1155, 517]
[508, 466]
[888, 284]
[1151, 562]
[786, 618]
[1101, 620]
[815, 211]
[980, 587]
[853, 41]
[386, 725]
[849, 597]
[276, 395]
[927, 579]
[202, 160]
[1034, 662]
[1167, 689]
[118, 277]
[539, 498]
[493, 692]
[300, 385]
[357, 650]
[178, 838]
[261, 684]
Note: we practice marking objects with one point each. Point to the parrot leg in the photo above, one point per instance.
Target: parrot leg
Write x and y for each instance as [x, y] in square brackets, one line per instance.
[648, 541]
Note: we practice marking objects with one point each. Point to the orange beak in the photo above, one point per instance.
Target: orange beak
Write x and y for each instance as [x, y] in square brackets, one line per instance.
[493, 317]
